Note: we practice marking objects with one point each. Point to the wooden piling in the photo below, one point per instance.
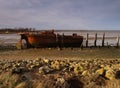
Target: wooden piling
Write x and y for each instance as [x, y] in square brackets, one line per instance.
[108, 45]
[62, 40]
[95, 41]
[103, 39]
[19, 44]
[117, 44]
[87, 40]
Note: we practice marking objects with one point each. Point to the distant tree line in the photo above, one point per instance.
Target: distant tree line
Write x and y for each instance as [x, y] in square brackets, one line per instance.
[15, 30]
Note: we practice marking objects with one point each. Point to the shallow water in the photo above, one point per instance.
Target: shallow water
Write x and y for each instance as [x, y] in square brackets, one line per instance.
[110, 39]
[8, 39]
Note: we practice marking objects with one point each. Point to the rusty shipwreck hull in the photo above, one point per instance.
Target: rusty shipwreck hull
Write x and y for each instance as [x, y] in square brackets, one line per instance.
[50, 39]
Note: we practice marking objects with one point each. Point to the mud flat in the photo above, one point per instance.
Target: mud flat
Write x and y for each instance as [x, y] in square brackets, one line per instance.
[54, 53]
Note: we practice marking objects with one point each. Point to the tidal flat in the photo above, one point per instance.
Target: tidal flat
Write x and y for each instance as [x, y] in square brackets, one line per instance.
[56, 53]
[55, 68]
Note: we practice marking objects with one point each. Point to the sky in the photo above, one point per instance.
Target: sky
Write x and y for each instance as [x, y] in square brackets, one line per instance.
[61, 14]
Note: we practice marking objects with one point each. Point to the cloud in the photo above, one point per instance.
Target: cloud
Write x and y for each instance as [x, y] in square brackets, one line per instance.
[60, 14]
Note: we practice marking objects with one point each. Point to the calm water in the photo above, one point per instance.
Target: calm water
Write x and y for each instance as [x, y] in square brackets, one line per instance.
[8, 39]
[111, 36]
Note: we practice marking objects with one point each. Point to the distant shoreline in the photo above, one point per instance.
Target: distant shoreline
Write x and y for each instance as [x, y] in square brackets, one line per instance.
[12, 31]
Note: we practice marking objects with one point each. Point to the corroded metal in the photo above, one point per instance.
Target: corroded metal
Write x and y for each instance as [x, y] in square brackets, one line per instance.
[50, 39]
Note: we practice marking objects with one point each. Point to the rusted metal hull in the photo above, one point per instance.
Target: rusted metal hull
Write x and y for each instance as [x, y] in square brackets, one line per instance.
[50, 39]
[42, 41]
[70, 41]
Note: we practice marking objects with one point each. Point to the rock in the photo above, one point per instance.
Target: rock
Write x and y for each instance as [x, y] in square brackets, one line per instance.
[102, 65]
[100, 81]
[32, 66]
[85, 73]
[45, 70]
[37, 64]
[78, 69]
[100, 71]
[38, 59]
[56, 62]
[107, 67]
[110, 74]
[16, 70]
[116, 66]
[46, 61]
[62, 83]
[106, 72]
[26, 76]
[55, 65]
[62, 63]
[117, 75]
[20, 70]
[75, 82]
[60, 80]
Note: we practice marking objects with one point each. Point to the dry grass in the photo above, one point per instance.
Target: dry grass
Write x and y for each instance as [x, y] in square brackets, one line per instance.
[113, 84]
[7, 80]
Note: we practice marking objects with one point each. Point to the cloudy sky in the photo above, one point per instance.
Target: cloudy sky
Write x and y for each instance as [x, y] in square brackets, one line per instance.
[61, 14]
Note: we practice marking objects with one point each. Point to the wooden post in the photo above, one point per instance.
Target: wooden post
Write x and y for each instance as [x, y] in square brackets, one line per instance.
[95, 41]
[117, 44]
[108, 45]
[81, 46]
[103, 39]
[63, 40]
[87, 40]
[19, 44]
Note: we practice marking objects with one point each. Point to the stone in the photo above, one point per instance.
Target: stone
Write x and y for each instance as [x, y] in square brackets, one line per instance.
[75, 82]
[62, 63]
[56, 65]
[32, 66]
[62, 83]
[16, 70]
[85, 73]
[56, 62]
[110, 74]
[100, 71]
[19, 70]
[45, 70]
[117, 75]
[116, 66]
[102, 66]
[78, 69]
[26, 76]
[46, 61]
[107, 67]
[60, 80]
